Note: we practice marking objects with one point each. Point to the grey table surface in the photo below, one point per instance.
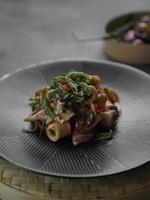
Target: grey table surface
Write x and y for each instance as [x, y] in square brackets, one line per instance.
[36, 30]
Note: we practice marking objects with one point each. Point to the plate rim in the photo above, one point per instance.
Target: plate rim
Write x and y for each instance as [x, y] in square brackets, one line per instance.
[91, 60]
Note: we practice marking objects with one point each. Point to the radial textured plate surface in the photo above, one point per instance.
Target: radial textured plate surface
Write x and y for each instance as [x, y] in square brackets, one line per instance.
[129, 148]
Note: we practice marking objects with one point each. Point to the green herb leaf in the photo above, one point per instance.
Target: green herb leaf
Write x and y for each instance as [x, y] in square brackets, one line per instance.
[76, 99]
[32, 101]
[72, 84]
[56, 81]
[48, 111]
[47, 108]
[61, 93]
[85, 88]
[79, 76]
[103, 136]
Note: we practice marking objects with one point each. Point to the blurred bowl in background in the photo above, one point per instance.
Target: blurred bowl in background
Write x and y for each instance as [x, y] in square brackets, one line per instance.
[122, 51]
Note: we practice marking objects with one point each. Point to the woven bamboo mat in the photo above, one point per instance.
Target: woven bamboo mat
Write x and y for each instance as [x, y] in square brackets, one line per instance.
[103, 188]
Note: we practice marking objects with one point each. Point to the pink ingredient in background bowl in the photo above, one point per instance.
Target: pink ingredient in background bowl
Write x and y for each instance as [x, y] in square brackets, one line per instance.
[129, 36]
[137, 42]
[145, 19]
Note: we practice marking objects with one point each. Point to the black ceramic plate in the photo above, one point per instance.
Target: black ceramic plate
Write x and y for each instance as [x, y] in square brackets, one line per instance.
[129, 148]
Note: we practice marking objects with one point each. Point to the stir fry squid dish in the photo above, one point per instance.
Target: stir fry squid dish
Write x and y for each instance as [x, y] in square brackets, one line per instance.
[74, 105]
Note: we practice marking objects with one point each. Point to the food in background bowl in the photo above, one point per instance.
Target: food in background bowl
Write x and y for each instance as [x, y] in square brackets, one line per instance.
[74, 104]
[134, 31]
[128, 38]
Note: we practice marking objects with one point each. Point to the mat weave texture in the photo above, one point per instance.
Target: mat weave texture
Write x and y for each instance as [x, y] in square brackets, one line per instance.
[72, 189]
